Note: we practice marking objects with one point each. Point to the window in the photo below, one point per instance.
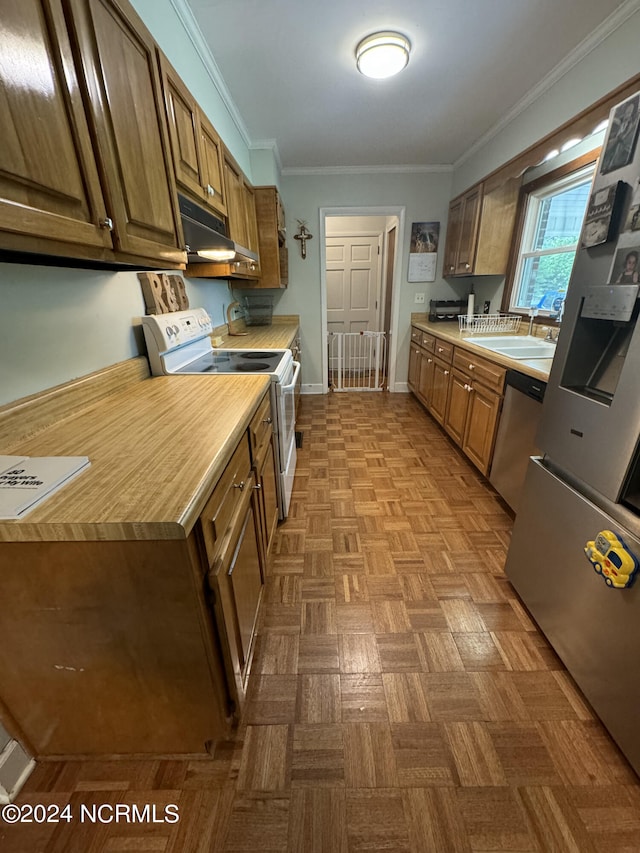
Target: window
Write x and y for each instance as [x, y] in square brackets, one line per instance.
[552, 225]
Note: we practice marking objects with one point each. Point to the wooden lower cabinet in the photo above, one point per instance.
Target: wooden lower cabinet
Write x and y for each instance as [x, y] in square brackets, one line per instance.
[481, 426]
[458, 407]
[264, 468]
[109, 648]
[415, 356]
[462, 392]
[473, 408]
[440, 389]
[236, 582]
[136, 646]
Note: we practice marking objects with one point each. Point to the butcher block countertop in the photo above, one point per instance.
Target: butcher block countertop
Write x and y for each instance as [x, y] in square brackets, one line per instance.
[279, 335]
[538, 368]
[157, 445]
[157, 449]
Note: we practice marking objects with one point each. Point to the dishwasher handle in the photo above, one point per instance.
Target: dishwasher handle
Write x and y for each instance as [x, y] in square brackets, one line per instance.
[533, 388]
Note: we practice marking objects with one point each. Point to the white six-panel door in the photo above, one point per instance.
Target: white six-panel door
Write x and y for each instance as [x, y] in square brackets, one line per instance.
[353, 283]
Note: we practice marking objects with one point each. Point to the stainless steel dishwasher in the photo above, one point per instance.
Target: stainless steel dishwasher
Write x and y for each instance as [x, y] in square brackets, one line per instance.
[515, 441]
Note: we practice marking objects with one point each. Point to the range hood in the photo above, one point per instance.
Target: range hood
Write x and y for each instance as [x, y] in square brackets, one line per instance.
[206, 237]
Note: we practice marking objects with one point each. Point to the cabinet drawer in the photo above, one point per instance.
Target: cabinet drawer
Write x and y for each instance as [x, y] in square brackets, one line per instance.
[218, 514]
[261, 428]
[427, 342]
[416, 335]
[443, 350]
[490, 374]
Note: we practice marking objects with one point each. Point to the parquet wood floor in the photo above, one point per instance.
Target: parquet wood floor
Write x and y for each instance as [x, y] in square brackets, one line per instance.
[401, 698]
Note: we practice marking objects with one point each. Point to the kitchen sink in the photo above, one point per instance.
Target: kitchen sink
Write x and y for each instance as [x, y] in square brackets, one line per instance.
[516, 346]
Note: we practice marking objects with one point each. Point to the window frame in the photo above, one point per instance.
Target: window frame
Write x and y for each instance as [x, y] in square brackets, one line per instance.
[590, 159]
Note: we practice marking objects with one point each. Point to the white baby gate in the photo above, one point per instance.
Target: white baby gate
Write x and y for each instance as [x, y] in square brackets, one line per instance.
[357, 361]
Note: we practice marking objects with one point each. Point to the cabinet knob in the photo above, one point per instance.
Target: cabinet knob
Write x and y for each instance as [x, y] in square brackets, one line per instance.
[429, 360]
[468, 388]
[440, 349]
[107, 223]
[210, 190]
[257, 487]
[239, 485]
[467, 266]
[446, 372]
[472, 367]
[267, 421]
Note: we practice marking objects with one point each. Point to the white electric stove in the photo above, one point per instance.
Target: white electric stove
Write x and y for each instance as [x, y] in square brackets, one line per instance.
[180, 343]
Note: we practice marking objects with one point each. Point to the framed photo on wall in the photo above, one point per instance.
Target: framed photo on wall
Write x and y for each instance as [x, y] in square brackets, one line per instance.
[621, 138]
[603, 215]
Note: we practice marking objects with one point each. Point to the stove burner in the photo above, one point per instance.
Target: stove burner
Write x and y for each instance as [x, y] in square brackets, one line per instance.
[257, 354]
[253, 366]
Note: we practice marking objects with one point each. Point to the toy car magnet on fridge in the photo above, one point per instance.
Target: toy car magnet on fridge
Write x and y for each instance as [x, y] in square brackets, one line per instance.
[612, 559]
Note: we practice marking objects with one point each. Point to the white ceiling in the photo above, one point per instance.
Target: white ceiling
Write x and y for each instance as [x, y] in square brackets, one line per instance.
[289, 68]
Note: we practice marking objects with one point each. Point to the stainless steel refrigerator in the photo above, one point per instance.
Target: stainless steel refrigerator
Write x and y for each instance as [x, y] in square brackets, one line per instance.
[576, 538]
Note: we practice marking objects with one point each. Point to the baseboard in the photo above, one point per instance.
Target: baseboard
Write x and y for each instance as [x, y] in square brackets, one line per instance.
[312, 389]
[15, 768]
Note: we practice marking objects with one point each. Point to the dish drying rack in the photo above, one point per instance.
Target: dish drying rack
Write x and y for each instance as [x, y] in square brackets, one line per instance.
[489, 324]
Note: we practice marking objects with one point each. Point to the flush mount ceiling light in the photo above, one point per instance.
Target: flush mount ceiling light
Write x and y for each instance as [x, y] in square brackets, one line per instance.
[382, 54]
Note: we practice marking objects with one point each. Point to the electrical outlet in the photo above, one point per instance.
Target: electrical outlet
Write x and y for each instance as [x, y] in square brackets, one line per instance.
[419, 300]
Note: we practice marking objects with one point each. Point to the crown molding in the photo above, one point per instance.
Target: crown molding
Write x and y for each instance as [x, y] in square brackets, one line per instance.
[609, 25]
[188, 21]
[363, 170]
[269, 145]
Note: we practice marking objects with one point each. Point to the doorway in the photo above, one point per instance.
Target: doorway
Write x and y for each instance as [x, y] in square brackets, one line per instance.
[360, 262]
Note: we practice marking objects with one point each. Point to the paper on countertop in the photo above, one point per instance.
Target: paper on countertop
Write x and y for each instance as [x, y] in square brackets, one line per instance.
[28, 481]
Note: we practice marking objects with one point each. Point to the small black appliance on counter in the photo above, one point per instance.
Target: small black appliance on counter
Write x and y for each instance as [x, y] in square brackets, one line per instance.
[446, 309]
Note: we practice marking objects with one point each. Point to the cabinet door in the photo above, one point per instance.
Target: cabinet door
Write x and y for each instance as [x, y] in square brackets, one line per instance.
[182, 120]
[271, 245]
[469, 231]
[249, 204]
[440, 390]
[268, 498]
[49, 184]
[235, 201]
[245, 578]
[415, 354]
[211, 155]
[425, 378]
[482, 422]
[457, 406]
[118, 60]
[453, 236]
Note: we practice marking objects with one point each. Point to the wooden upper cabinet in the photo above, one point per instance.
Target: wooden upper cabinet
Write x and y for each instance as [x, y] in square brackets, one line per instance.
[234, 183]
[118, 59]
[468, 239]
[249, 204]
[212, 172]
[453, 236]
[51, 199]
[480, 228]
[195, 146]
[271, 238]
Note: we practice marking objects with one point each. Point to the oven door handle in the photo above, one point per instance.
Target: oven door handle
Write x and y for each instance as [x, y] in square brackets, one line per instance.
[296, 374]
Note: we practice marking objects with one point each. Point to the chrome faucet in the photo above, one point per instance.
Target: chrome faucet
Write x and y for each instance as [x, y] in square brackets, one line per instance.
[558, 318]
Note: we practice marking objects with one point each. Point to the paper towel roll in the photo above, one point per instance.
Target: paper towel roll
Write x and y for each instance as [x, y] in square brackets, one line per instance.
[471, 306]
